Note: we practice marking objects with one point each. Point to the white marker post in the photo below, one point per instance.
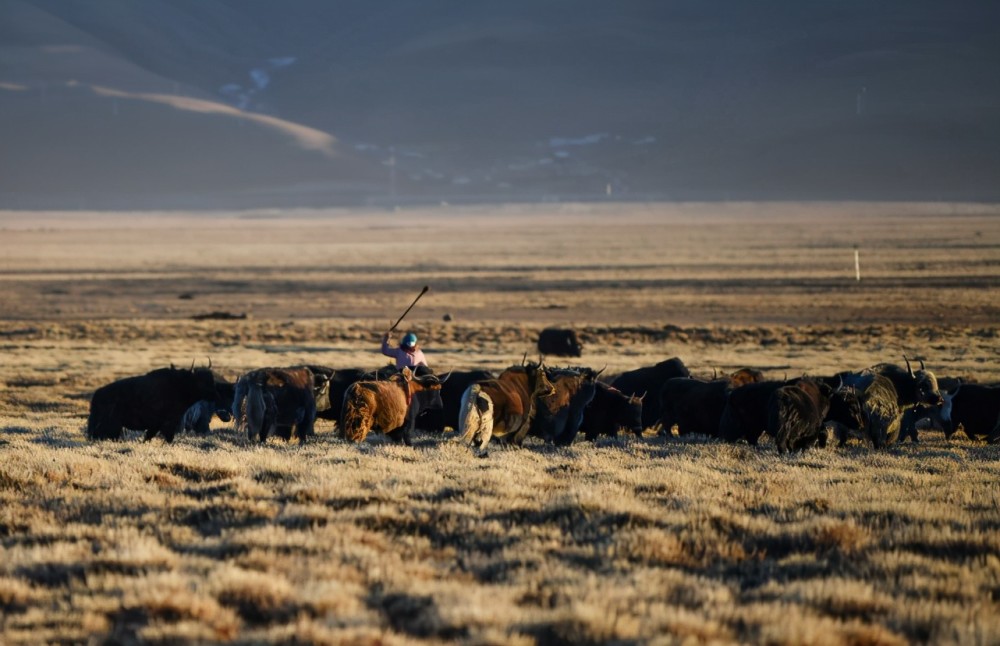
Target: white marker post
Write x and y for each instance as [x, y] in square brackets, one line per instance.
[857, 264]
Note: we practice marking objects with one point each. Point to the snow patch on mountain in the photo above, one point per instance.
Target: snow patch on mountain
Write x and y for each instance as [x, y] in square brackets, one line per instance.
[245, 97]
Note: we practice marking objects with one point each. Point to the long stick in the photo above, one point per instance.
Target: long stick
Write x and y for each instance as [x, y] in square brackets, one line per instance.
[422, 292]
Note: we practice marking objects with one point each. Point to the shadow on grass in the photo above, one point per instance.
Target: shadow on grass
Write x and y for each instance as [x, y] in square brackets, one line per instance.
[413, 615]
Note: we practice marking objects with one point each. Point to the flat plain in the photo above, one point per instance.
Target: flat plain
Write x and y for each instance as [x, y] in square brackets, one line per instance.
[628, 540]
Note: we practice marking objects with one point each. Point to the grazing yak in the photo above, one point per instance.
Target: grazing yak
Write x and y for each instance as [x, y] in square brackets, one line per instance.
[503, 407]
[437, 419]
[912, 388]
[388, 405]
[275, 400]
[796, 413]
[696, 406]
[973, 408]
[559, 343]
[650, 379]
[155, 402]
[558, 417]
[608, 411]
[198, 418]
[331, 384]
[912, 420]
[745, 415]
[870, 411]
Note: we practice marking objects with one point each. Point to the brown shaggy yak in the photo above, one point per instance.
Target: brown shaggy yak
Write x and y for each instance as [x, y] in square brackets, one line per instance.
[503, 407]
[391, 405]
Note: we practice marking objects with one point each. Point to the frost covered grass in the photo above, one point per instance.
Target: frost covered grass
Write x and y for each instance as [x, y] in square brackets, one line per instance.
[633, 540]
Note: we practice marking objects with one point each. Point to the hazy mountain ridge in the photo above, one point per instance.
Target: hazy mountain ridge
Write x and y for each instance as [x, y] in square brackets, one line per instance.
[774, 100]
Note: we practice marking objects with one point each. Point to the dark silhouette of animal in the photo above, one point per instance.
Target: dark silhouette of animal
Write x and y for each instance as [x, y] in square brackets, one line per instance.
[650, 379]
[559, 342]
[437, 419]
[745, 415]
[503, 407]
[154, 402]
[796, 413]
[870, 412]
[912, 388]
[972, 408]
[388, 405]
[696, 406]
[275, 400]
[911, 419]
[559, 416]
[198, 418]
[608, 411]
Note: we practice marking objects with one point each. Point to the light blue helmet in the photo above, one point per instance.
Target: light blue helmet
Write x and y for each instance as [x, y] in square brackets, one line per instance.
[409, 340]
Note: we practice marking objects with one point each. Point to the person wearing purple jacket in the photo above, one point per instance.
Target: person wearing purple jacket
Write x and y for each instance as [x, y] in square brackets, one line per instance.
[407, 354]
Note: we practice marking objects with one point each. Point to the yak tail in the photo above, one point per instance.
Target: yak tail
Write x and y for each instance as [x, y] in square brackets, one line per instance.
[356, 416]
[239, 404]
[475, 418]
[255, 410]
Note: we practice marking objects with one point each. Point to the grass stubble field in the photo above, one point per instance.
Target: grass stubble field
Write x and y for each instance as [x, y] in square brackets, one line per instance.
[628, 540]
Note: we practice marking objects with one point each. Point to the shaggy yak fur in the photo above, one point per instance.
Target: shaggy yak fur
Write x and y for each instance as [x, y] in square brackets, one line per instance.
[650, 379]
[796, 413]
[155, 402]
[870, 412]
[696, 406]
[610, 410]
[390, 406]
[559, 416]
[503, 407]
[275, 400]
[912, 388]
[331, 384]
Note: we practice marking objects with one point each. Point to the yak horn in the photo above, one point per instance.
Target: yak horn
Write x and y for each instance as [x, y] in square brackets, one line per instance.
[908, 368]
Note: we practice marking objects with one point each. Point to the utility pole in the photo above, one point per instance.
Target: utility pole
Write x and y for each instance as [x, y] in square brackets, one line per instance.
[392, 174]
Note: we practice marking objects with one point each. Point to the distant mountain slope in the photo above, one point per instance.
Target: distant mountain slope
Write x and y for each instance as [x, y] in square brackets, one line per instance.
[256, 101]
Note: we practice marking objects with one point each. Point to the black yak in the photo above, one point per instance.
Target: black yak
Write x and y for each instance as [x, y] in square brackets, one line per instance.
[796, 413]
[869, 411]
[973, 408]
[744, 417]
[558, 417]
[559, 342]
[198, 418]
[154, 402]
[650, 379]
[696, 406]
[610, 410]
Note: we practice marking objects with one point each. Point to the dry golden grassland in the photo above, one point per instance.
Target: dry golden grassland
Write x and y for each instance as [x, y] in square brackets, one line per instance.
[632, 540]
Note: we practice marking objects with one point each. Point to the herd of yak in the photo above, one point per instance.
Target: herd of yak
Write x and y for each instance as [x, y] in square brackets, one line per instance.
[879, 405]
